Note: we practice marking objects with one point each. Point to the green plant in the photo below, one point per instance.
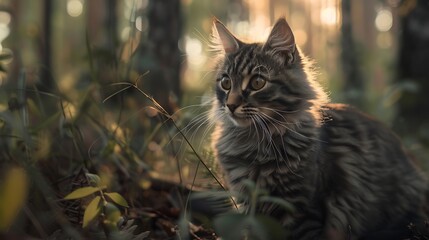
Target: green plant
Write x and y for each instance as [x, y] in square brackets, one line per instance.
[250, 224]
[101, 203]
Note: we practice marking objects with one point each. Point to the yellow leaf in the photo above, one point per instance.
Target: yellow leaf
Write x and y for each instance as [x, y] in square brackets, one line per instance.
[92, 211]
[81, 192]
[117, 198]
[13, 195]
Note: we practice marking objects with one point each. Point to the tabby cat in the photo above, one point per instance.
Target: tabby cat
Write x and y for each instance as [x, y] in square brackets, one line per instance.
[345, 173]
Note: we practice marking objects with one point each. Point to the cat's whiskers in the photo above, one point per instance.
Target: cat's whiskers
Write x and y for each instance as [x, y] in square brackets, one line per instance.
[283, 124]
[259, 122]
[281, 114]
[204, 121]
[202, 118]
[255, 124]
[275, 148]
[198, 121]
[277, 111]
[286, 161]
[275, 123]
[266, 124]
[209, 120]
[262, 124]
[253, 112]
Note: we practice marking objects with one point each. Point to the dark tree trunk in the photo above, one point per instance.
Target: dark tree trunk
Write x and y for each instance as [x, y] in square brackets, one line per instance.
[165, 28]
[46, 81]
[102, 30]
[353, 82]
[112, 24]
[413, 73]
[16, 64]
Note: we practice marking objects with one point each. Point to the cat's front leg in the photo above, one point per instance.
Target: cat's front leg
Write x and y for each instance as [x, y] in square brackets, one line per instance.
[315, 225]
[308, 225]
[337, 223]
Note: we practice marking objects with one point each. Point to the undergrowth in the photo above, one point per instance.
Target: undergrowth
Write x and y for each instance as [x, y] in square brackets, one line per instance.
[106, 161]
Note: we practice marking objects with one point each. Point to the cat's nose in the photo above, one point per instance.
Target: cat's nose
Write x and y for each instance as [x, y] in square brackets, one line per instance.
[232, 107]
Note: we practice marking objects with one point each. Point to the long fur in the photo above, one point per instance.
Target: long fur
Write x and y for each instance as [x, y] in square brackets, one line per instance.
[346, 174]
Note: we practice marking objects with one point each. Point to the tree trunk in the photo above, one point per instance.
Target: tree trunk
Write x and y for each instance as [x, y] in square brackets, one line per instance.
[413, 74]
[353, 82]
[165, 28]
[46, 81]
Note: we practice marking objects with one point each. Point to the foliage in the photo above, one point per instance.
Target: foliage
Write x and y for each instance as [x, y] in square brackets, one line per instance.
[91, 159]
[100, 203]
[251, 225]
[50, 140]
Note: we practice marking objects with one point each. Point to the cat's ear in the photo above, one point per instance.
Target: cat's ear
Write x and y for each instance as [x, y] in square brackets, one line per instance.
[222, 36]
[281, 40]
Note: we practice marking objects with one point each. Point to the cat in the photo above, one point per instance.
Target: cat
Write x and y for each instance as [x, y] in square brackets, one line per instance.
[344, 172]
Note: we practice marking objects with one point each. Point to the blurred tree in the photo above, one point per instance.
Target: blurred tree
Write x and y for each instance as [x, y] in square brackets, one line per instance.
[112, 23]
[45, 82]
[16, 64]
[353, 82]
[102, 30]
[165, 30]
[413, 74]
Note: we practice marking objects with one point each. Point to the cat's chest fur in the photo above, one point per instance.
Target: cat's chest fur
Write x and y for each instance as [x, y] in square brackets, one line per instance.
[278, 163]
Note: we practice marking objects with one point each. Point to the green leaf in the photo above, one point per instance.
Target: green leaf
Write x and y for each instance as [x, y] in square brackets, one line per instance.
[117, 198]
[233, 226]
[13, 194]
[93, 179]
[81, 192]
[271, 227]
[255, 230]
[113, 216]
[230, 226]
[92, 211]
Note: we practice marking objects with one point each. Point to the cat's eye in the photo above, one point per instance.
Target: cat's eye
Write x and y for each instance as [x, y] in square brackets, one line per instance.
[257, 83]
[225, 83]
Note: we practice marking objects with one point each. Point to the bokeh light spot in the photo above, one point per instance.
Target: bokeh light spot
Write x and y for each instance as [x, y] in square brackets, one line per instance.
[384, 20]
[194, 51]
[74, 8]
[329, 16]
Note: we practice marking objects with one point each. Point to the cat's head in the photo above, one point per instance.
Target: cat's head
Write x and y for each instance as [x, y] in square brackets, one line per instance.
[264, 83]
